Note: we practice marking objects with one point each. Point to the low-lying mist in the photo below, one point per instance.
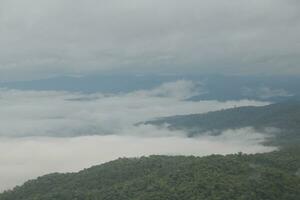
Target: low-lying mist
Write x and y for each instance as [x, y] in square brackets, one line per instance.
[50, 131]
[52, 113]
[26, 158]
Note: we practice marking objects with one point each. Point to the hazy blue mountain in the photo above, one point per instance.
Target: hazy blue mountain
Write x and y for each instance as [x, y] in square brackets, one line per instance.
[216, 87]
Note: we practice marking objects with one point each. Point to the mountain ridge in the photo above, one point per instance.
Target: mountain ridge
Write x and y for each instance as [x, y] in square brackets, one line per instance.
[284, 116]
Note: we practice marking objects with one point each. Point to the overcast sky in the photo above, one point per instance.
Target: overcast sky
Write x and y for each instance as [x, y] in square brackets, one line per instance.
[41, 38]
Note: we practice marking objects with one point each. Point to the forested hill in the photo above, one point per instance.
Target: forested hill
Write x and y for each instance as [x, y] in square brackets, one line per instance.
[271, 176]
[284, 116]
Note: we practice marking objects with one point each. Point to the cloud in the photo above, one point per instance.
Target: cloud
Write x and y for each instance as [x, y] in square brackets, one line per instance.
[58, 37]
[26, 158]
[52, 113]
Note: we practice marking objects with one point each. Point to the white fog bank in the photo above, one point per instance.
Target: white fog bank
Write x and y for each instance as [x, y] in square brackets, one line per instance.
[52, 113]
[22, 159]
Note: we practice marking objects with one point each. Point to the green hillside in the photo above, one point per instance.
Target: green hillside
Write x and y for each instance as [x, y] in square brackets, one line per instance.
[272, 176]
[284, 116]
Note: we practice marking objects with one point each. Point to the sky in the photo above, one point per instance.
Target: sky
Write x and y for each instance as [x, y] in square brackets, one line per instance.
[46, 38]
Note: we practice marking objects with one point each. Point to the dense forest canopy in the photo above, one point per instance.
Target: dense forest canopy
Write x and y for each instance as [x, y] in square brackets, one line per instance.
[270, 176]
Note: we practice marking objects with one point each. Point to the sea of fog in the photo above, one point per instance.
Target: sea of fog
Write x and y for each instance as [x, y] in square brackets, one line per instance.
[53, 131]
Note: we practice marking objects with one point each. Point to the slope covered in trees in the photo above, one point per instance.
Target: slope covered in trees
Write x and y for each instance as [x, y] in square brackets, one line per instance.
[269, 176]
[284, 116]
